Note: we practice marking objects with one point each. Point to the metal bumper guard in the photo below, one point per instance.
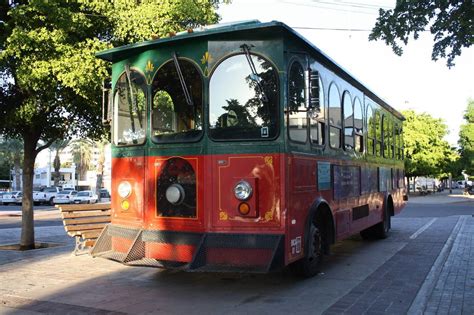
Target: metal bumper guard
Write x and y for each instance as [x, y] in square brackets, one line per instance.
[215, 252]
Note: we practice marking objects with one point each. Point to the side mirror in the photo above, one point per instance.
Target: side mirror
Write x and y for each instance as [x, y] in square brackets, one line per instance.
[106, 102]
[312, 83]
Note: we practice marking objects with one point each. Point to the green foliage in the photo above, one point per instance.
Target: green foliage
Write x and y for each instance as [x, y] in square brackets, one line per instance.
[466, 140]
[50, 80]
[450, 22]
[426, 153]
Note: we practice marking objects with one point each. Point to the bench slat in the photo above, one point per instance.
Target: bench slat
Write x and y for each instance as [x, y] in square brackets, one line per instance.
[102, 219]
[71, 215]
[84, 227]
[91, 234]
[84, 207]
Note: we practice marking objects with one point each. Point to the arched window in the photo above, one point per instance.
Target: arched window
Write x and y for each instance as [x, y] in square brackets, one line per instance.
[318, 120]
[335, 117]
[297, 113]
[243, 99]
[358, 126]
[173, 118]
[130, 109]
[370, 130]
[348, 122]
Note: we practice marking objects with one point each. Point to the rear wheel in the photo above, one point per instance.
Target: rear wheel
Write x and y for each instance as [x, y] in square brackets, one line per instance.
[379, 230]
[51, 201]
[309, 265]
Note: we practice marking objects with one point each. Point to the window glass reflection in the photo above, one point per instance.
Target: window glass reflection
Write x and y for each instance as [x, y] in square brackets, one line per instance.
[130, 109]
[297, 120]
[173, 119]
[243, 105]
[335, 117]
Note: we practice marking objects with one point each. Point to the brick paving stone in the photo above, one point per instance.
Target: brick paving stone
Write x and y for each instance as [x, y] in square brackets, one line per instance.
[453, 290]
[393, 286]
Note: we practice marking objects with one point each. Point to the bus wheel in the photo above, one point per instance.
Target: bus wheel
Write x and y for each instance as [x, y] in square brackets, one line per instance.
[309, 265]
[379, 230]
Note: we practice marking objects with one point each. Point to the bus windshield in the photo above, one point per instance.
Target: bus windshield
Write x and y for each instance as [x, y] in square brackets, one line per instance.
[177, 102]
[130, 109]
[243, 97]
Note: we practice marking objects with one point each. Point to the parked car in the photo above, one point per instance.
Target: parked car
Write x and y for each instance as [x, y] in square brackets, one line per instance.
[65, 196]
[104, 195]
[12, 197]
[46, 195]
[1, 196]
[86, 196]
[461, 184]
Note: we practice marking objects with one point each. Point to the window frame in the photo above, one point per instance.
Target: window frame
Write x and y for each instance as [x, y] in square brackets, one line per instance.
[371, 129]
[346, 94]
[323, 122]
[115, 109]
[277, 105]
[359, 134]
[198, 138]
[330, 125]
[294, 61]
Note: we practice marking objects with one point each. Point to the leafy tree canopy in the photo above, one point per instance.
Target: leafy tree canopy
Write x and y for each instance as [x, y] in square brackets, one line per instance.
[426, 153]
[450, 22]
[50, 80]
[466, 140]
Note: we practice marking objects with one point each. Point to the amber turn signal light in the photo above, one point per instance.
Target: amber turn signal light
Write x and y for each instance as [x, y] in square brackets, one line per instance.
[244, 208]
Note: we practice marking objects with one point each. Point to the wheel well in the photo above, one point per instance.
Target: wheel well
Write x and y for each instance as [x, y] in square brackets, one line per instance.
[324, 216]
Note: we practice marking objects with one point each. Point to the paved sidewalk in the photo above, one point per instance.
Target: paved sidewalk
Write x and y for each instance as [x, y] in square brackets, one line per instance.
[432, 274]
[441, 197]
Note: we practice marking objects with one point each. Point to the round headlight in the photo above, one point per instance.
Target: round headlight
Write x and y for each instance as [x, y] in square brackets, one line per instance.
[175, 194]
[124, 189]
[243, 190]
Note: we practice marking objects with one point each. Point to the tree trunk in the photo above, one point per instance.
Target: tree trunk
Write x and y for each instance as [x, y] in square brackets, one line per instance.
[57, 167]
[16, 169]
[27, 223]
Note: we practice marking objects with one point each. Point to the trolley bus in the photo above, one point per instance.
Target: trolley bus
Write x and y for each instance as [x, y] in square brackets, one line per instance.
[243, 147]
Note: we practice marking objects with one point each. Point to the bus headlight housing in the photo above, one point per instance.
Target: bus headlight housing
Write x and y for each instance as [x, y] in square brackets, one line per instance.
[243, 190]
[124, 189]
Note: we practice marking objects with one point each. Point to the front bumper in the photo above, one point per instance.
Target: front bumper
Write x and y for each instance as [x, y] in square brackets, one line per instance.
[222, 252]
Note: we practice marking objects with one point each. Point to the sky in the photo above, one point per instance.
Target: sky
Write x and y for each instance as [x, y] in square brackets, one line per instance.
[340, 28]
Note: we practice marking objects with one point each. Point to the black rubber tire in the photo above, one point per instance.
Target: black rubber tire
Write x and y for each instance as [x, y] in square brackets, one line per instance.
[379, 230]
[51, 201]
[310, 265]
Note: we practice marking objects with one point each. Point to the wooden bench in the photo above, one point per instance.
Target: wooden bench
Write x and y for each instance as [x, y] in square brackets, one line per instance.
[84, 222]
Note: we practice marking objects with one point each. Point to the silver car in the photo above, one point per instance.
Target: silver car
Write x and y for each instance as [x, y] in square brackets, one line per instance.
[86, 196]
[65, 196]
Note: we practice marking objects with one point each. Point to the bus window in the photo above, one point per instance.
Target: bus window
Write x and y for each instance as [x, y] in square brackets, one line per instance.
[243, 104]
[348, 122]
[297, 119]
[335, 124]
[378, 134]
[318, 120]
[130, 109]
[358, 126]
[173, 119]
[385, 136]
[370, 131]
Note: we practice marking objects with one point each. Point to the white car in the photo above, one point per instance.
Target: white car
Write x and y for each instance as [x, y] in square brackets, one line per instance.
[12, 197]
[86, 196]
[65, 196]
